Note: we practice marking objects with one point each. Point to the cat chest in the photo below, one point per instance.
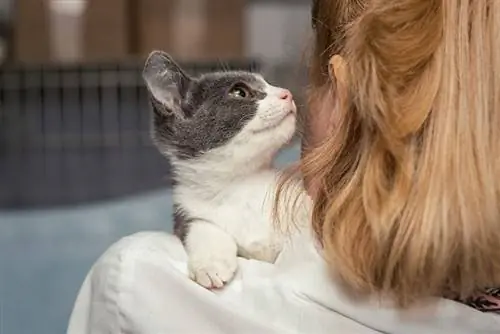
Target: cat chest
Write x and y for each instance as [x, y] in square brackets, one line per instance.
[237, 211]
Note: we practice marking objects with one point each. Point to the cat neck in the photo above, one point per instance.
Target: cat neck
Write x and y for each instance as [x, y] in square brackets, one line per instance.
[212, 176]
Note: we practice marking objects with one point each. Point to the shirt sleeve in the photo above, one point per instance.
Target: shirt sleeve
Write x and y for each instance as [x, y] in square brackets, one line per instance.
[140, 286]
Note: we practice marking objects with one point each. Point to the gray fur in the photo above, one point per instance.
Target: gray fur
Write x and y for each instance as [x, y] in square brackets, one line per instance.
[192, 116]
[182, 221]
[195, 115]
[221, 132]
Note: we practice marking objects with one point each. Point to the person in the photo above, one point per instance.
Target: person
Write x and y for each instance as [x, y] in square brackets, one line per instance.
[401, 160]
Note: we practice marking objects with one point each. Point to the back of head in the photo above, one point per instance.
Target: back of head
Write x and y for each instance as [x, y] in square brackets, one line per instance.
[409, 199]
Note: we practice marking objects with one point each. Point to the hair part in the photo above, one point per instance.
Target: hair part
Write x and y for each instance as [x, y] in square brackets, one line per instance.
[408, 201]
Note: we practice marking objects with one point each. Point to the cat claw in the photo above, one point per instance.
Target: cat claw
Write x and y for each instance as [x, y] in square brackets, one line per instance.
[212, 273]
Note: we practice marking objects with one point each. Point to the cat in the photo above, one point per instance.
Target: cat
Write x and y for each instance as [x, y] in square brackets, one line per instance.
[221, 132]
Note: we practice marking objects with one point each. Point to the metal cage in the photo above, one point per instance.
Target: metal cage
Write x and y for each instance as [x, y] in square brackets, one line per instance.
[74, 134]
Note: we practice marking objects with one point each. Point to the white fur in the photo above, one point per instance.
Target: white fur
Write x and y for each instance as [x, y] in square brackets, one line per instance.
[230, 190]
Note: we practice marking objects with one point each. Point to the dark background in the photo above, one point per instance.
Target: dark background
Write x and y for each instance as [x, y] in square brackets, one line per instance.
[74, 125]
[78, 134]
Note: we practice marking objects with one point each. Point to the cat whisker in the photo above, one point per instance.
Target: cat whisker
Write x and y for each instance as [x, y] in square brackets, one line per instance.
[224, 65]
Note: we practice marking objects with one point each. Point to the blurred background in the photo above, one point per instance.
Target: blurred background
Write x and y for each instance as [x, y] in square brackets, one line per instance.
[77, 168]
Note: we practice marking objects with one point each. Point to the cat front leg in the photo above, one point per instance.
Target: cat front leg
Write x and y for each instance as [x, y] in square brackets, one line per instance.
[212, 254]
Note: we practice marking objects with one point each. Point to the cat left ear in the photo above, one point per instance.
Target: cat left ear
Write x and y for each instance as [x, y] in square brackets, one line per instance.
[166, 81]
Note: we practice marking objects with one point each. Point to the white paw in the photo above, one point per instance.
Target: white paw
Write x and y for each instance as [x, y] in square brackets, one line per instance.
[266, 250]
[212, 272]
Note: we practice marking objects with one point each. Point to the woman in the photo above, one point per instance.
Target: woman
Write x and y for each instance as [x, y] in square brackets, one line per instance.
[402, 159]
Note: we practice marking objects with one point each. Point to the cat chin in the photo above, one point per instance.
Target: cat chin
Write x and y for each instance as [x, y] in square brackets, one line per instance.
[268, 128]
[283, 132]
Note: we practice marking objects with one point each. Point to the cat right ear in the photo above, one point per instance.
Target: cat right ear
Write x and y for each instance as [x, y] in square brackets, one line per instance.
[166, 81]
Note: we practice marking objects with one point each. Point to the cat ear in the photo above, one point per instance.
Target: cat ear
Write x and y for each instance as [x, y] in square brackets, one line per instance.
[166, 81]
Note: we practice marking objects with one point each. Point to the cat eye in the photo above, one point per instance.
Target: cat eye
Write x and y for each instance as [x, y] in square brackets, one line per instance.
[239, 90]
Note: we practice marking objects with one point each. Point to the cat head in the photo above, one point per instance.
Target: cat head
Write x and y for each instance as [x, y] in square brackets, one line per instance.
[231, 114]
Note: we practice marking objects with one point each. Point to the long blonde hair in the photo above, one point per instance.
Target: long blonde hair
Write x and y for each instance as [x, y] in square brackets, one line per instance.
[408, 203]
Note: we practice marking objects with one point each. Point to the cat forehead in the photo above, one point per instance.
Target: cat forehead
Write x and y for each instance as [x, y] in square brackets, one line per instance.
[226, 79]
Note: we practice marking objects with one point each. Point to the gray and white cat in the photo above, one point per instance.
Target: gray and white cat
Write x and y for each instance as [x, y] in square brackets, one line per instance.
[221, 132]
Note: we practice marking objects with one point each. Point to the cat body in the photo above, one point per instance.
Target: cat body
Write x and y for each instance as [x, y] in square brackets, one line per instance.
[241, 207]
[221, 132]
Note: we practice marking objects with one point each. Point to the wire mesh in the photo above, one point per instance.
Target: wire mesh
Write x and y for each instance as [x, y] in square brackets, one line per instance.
[75, 134]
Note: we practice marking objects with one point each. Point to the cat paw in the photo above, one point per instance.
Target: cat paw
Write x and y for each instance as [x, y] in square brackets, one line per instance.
[212, 272]
[266, 251]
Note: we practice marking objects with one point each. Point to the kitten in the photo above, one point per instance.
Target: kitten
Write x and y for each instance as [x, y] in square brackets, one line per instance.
[221, 132]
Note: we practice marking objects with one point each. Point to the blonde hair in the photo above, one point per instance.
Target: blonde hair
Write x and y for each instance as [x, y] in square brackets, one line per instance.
[408, 203]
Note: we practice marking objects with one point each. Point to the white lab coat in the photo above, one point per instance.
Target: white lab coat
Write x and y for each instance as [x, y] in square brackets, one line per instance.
[140, 286]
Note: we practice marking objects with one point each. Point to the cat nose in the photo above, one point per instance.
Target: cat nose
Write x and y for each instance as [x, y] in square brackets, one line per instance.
[285, 94]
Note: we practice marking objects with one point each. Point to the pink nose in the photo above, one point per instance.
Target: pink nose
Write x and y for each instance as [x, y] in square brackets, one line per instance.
[286, 95]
